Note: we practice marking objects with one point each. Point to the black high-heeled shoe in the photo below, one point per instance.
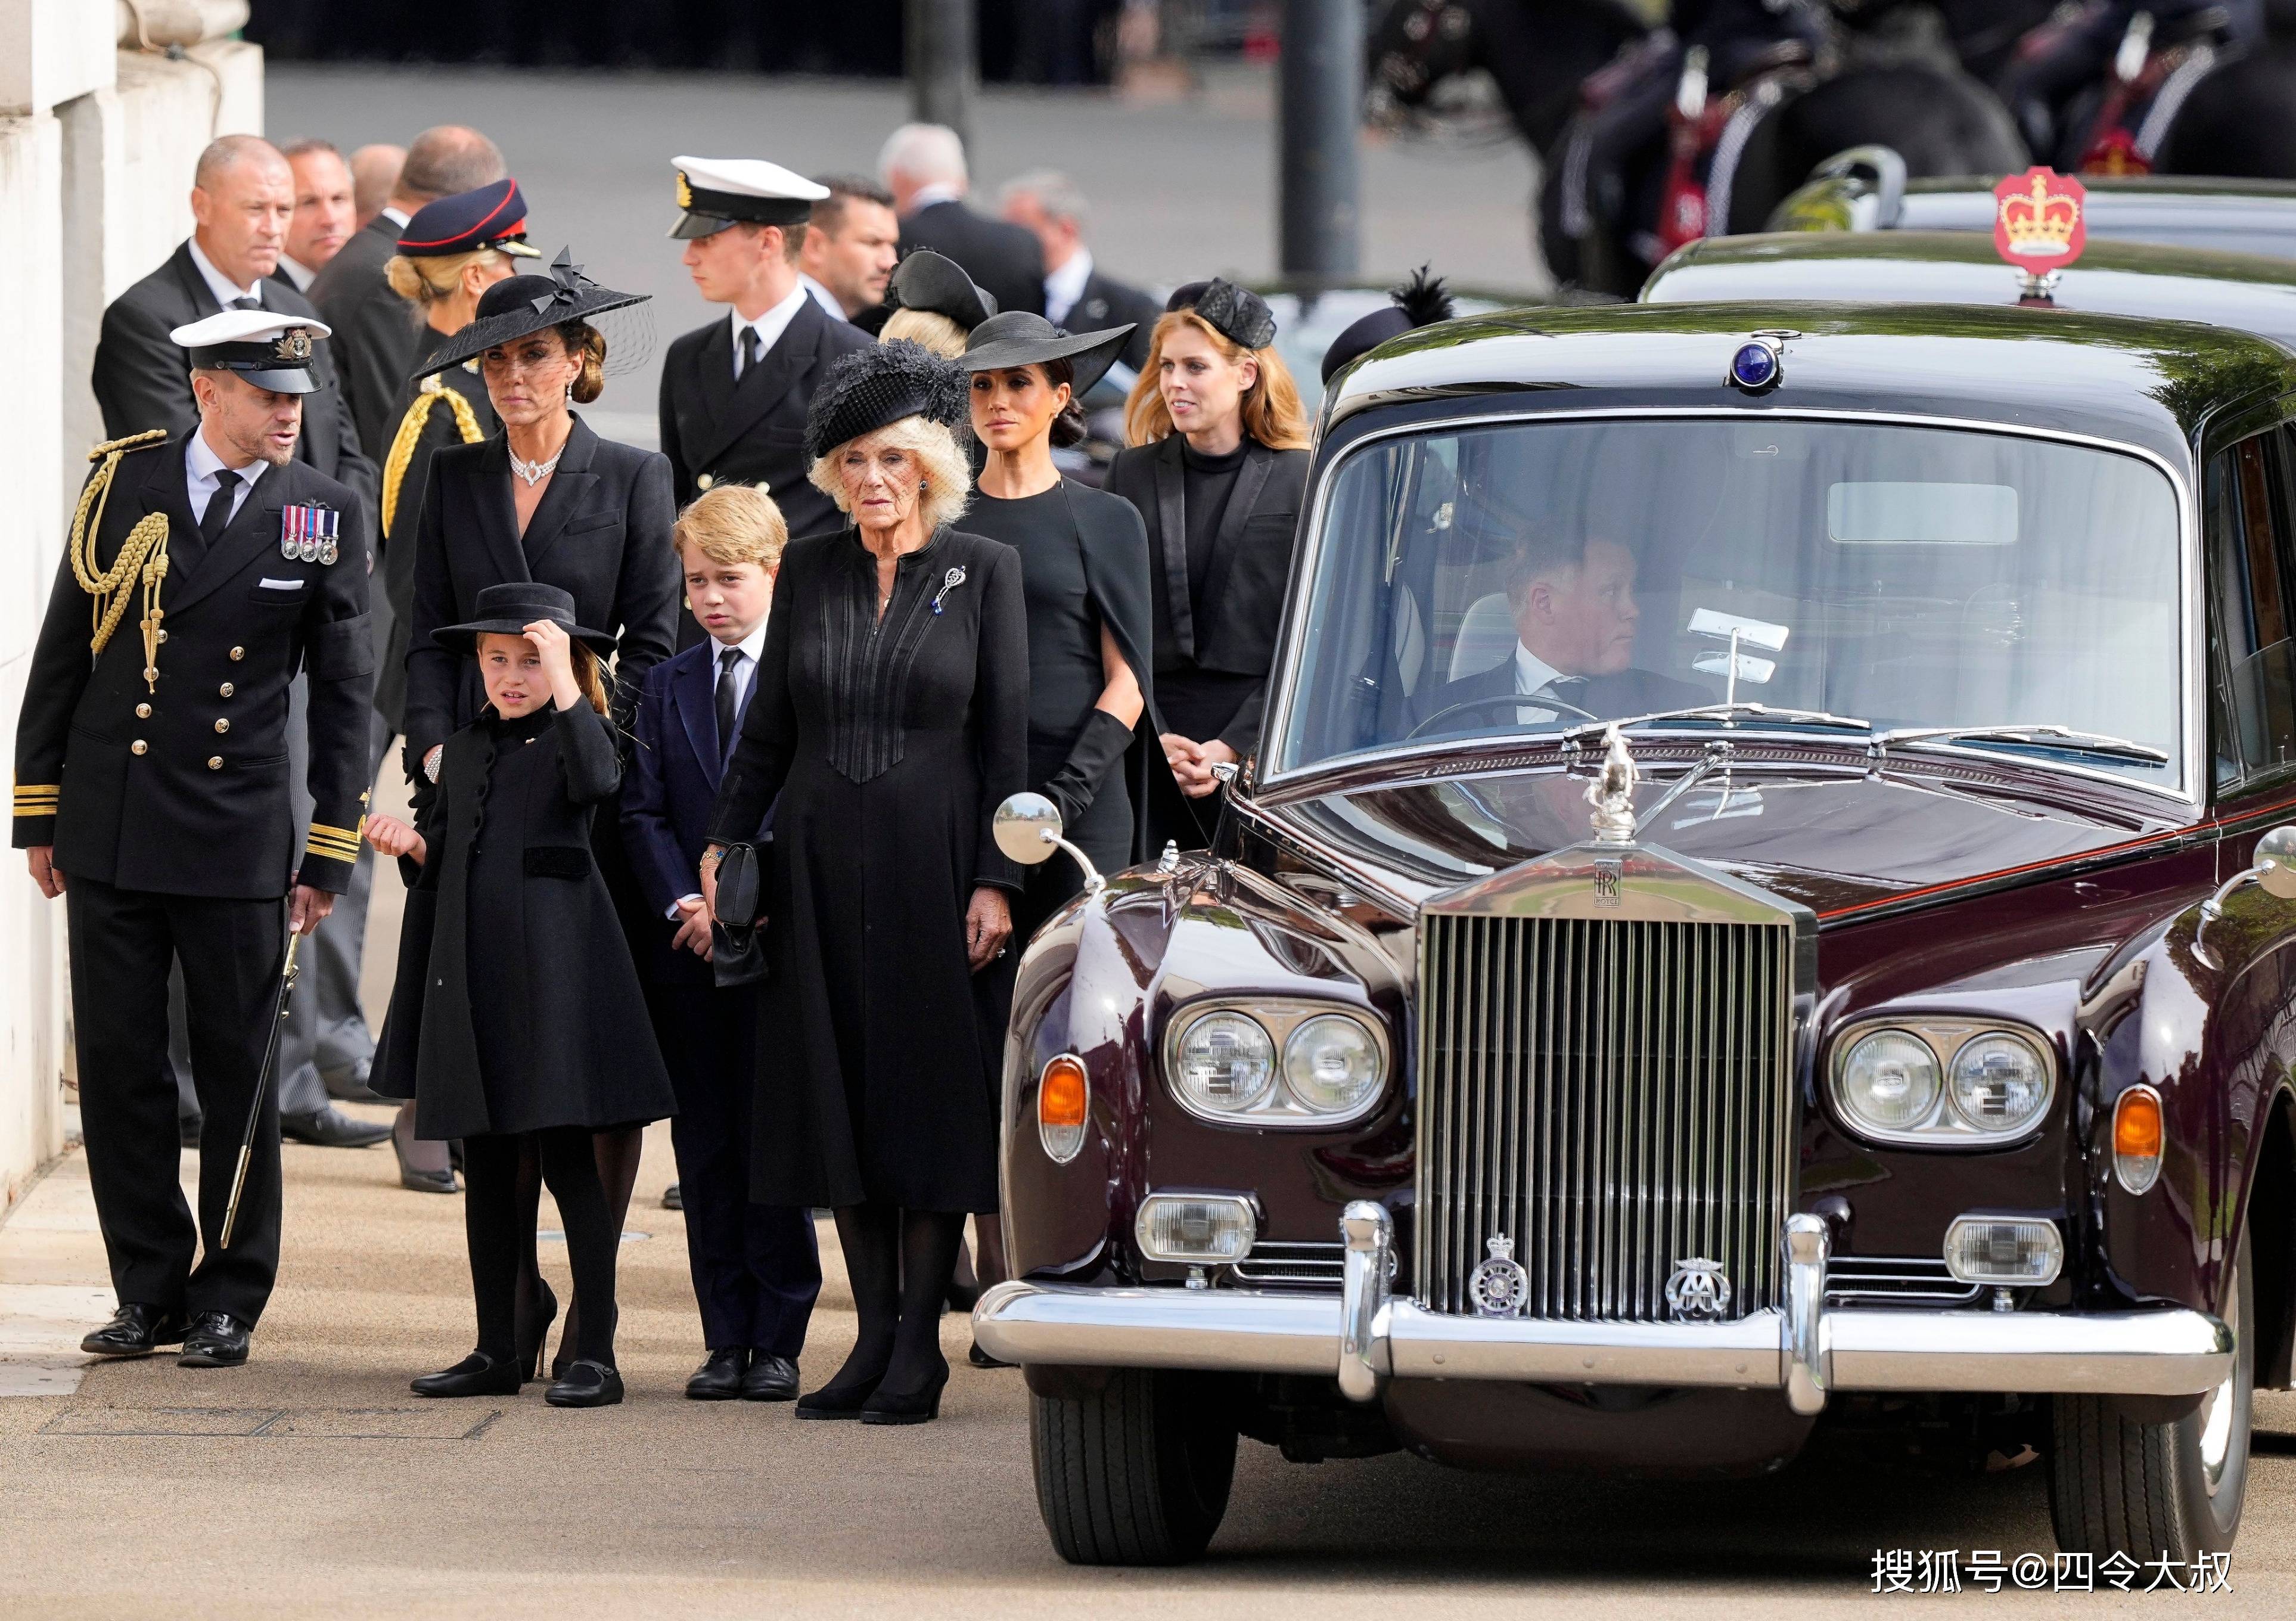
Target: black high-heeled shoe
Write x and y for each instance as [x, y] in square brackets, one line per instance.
[841, 1397]
[477, 1374]
[535, 1334]
[587, 1383]
[921, 1406]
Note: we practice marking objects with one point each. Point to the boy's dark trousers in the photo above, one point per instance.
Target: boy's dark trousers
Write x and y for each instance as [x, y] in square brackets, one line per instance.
[756, 1269]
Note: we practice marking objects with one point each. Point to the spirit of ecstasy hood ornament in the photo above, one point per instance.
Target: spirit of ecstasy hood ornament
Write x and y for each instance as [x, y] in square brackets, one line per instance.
[1611, 793]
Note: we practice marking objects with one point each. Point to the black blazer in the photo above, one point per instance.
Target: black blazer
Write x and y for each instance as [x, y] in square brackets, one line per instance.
[184, 790]
[1106, 302]
[1234, 631]
[1605, 697]
[374, 328]
[601, 533]
[1004, 258]
[142, 380]
[716, 430]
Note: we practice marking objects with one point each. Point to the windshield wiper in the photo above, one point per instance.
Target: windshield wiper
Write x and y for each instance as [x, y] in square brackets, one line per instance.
[1725, 712]
[2045, 736]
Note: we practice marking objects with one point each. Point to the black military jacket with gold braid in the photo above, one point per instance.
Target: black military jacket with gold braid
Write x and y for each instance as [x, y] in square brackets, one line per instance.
[183, 789]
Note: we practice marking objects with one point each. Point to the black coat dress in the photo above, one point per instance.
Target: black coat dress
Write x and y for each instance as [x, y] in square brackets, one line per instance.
[517, 1007]
[889, 742]
[601, 533]
[1215, 639]
[423, 422]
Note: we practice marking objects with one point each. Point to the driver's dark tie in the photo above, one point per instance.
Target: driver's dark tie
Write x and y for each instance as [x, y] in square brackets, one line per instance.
[1563, 690]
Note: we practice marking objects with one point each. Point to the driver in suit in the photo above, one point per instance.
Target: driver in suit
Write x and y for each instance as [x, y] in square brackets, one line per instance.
[1575, 615]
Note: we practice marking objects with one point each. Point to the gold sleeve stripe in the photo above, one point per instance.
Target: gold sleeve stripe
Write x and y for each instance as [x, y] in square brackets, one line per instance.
[319, 830]
[334, 847]
[39, 788]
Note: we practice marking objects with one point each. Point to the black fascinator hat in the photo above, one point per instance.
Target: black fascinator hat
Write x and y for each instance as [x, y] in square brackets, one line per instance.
[927, 280]
[519, 306]
[507, 609]
[1421, 301]
[871, 388]
[1238, 314]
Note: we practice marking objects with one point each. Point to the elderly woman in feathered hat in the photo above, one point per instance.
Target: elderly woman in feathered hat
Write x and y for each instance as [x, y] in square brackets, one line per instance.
[889, 716]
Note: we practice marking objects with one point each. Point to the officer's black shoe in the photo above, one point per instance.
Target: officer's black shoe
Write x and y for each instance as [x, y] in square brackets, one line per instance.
[477, 1374]
[189, 1129]
[331, 1127]
[136, 1331]
[770, 1379]
[672, 1197]
[719, 1377]
[215, 1339]
[349, 1084]
[587, 1383]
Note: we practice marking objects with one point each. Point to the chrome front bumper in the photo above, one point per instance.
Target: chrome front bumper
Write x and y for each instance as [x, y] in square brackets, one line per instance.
[1365, 1336]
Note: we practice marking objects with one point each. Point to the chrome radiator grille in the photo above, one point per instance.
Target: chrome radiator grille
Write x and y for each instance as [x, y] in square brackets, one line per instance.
[1614, 1097]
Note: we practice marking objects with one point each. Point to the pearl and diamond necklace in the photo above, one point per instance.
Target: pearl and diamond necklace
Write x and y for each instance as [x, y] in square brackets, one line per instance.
[535, 472]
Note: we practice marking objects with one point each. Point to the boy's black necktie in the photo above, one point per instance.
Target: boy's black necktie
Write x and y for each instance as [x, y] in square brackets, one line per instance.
[728, 661]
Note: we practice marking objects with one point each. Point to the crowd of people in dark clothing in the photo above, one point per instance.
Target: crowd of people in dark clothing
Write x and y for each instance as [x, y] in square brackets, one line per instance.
[705, 743]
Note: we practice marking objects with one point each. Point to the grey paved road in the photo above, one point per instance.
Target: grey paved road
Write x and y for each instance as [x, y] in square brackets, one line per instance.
[1180, 190]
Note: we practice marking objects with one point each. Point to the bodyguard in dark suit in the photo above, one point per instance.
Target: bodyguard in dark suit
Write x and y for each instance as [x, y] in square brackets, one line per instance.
[152, 793]
[923, 166]
[734, 392]
[755, 1271]
[375, 329]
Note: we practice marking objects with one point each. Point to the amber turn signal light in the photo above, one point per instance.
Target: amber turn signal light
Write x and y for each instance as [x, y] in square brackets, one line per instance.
[1063, 1099]
[2137, 1138]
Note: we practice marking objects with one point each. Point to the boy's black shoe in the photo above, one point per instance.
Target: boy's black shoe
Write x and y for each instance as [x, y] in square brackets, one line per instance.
[719, 1377]
[770, 1379]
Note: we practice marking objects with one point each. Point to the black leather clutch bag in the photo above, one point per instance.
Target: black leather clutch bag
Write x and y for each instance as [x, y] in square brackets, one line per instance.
[737, 940]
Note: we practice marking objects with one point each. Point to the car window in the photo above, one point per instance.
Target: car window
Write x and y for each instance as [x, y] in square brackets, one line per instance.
[1531, 575]
[2250, 525]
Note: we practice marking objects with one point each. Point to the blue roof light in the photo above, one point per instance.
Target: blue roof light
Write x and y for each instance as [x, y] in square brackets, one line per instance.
[1756, 366]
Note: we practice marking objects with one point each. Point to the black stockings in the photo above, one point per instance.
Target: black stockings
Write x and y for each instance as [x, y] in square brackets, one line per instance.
[498, 1217]
[616, 1153]
[900, 1263]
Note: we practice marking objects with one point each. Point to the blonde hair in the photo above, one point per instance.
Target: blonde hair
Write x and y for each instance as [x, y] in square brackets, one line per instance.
[1271, 408]
[947, 473]
[423, 279]
[735, 523]
[928, 328]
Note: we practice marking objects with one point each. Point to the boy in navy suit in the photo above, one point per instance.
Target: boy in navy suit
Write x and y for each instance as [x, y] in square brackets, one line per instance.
[755, 1271]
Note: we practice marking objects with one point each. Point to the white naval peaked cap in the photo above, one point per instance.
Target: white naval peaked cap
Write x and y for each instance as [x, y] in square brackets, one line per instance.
[246, 326]
[715, 193]
[269, 349]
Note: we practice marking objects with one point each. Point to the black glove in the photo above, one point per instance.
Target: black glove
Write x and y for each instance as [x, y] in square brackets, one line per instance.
[1096, 751]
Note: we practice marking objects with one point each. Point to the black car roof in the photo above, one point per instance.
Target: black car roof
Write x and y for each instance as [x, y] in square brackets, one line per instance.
[2146, 382]
[2181, 210]
[2246, 290]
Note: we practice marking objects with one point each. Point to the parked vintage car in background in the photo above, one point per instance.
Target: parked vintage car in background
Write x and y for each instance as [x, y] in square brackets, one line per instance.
[1768, 900]
[1866, 189]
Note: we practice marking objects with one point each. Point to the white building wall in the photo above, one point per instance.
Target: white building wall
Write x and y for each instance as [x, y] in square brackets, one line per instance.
[97, 148]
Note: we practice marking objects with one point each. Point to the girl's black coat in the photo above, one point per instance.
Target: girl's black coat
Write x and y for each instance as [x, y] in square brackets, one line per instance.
[517, 1006]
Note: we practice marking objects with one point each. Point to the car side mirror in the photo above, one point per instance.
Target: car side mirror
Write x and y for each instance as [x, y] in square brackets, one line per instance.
[2276, 862]
[1027, 828]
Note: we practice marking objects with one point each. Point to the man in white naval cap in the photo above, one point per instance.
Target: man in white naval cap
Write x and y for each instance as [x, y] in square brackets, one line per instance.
[153, 795]
[734, 392]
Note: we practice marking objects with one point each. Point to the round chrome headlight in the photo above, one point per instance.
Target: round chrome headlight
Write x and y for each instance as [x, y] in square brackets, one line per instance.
[1228, 1063]
[1890, 1081]
[1999, 1084]
[1331, 1064]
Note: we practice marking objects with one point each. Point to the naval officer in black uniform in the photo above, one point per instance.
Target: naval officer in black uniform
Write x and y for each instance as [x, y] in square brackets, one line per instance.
[734, 393]
[152, 794]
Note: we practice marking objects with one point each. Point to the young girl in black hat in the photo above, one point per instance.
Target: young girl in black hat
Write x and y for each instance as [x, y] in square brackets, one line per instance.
[517, 1012]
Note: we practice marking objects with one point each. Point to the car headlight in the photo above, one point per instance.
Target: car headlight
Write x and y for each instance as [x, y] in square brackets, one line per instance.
[1331, 1064]
[1228, 1063]
[1890, 1081]
[1943, 1082]
[2000, 1083]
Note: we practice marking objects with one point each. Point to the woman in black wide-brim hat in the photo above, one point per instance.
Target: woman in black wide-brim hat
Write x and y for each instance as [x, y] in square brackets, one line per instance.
[545, 500]
[887, 721]
[517, 1023]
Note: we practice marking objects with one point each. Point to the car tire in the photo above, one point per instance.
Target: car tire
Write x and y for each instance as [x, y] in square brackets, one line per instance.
[2119, 1484]
[1137, 1473]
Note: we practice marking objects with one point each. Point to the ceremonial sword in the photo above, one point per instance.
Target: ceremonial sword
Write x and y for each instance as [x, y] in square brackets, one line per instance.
[262, 1085]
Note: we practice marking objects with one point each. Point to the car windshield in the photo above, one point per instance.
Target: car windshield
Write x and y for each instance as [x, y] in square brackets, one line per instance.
[2018, 595]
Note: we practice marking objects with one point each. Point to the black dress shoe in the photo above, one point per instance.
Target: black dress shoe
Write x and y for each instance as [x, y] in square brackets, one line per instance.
[136, 1331]
[841, 1397]
[477, 1374]
[331, 1127]
[770, 1379]
[719, 1377]
[911, 1407]
[673, 1197]
[215, 1339]
[980, 1358]
[587, 1383]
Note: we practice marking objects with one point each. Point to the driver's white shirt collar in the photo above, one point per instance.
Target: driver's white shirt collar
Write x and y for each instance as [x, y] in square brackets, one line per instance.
[1532, 672]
